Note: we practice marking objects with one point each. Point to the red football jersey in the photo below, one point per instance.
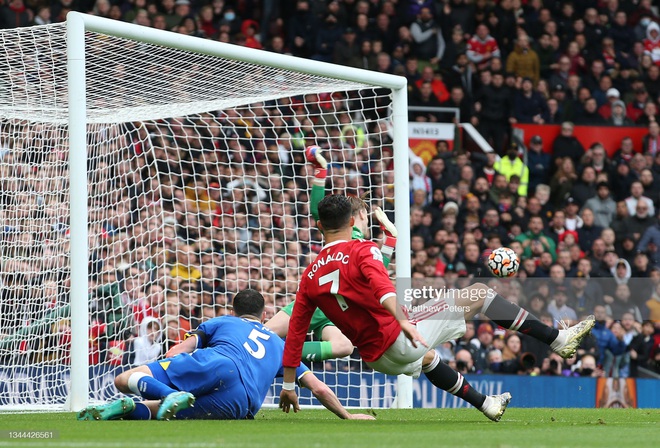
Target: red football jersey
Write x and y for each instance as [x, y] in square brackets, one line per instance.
[346, 281]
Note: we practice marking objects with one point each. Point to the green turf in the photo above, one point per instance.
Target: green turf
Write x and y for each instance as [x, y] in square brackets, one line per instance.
[422, 428]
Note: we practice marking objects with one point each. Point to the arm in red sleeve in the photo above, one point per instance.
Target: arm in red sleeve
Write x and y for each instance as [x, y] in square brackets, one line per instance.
[371, 264]
[298, 325]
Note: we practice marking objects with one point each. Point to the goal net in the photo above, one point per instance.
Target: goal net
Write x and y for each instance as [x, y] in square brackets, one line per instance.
[196, 187]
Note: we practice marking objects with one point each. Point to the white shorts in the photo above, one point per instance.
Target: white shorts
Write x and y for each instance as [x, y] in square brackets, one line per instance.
[435, 327]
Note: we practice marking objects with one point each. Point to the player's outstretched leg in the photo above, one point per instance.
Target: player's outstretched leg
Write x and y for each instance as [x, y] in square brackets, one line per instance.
[174, 403]
[124, 408]
[109, 411]
[140, 381]
[564, 342]
[444, 377]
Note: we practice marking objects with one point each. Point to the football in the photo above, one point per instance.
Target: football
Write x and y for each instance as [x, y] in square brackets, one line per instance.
[503, 262]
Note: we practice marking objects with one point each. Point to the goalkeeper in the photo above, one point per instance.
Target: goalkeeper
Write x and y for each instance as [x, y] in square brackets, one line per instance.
[333, 343]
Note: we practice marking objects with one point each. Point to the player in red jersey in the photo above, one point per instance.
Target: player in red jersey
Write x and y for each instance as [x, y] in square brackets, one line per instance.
[349, 283]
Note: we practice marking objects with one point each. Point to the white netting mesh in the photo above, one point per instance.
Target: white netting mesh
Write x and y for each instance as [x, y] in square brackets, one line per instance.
[133, 81]
[197, 187]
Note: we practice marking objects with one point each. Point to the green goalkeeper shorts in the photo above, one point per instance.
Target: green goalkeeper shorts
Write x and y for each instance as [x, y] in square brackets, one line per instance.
[318, 323]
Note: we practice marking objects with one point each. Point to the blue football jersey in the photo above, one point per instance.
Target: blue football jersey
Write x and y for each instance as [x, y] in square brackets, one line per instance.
[256, 351]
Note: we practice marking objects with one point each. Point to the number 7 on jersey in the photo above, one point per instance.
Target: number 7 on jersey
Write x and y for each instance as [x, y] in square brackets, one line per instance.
[333, 279]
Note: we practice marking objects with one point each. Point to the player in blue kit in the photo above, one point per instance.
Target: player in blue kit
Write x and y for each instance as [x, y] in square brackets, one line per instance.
[225, 368]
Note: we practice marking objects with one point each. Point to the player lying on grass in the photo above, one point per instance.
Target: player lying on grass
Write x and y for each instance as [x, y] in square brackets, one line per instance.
[348, 282]
[225, 368]
[333, 343]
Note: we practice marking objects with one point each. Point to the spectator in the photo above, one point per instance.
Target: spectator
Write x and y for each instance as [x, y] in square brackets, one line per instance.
[493, 106]
[613, 96]
[590, 115]
[597, 159]
[535, 239]
[592, 80]
[585, 294]
[524, 61]
[347, 50]
[636, 195]
[538, 162]
[585, 187]
[652, 81]
[429, 45]
[562, 181]
[640, 348]
[462, 75]
[511, 165]
[651, 141]
[458, 100]
[484, 344]
[652, 42]
[635, 108]
[302, 30]
[594, 32]
[439, 88]
[15, 14]
[482, 47]
[559, 309]
[588, 232]
[327, 36]
[650, 243]
[640, 220]
[588, 368]
[419, 180]
[566, 145]
[618, 115]
[147, 346]
[546, 55]
[622, 35]
[565, 107]
[601, 332]
[562, 72]
[602, 205]
[529, 106]
[615, 358]
[424, 97]
[464, 363]
[649, 115]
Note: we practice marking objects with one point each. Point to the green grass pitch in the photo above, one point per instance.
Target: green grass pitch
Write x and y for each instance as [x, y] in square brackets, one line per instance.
[318, 428]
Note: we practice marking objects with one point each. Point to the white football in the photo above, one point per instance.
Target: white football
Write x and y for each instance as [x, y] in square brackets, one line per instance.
[503, 262]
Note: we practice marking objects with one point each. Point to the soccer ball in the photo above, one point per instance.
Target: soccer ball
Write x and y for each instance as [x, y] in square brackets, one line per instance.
[503, 262]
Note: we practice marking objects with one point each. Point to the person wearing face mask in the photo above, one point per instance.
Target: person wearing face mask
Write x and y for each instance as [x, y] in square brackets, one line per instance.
[512, 164]
[231, 20]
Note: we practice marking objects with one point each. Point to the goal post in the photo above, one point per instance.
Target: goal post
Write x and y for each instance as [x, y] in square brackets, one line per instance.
[184, 95]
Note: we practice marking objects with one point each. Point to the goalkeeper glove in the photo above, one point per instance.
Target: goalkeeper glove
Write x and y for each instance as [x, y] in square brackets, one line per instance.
[389, 231]
[314, 156]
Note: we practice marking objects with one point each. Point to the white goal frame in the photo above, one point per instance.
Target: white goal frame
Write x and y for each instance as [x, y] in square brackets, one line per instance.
[77, 24]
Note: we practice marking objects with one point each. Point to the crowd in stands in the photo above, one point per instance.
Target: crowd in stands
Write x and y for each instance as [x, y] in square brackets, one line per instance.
[585, 224]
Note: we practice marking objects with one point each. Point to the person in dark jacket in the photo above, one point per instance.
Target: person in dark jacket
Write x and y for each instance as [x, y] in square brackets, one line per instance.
[302, 31]
[326, 39]
[640, 348]
[622, 34]
[590, 115]
[529, 106]
[347, 50]
[493, 106]
[585, 188]
[566, 145]
[538, 163]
